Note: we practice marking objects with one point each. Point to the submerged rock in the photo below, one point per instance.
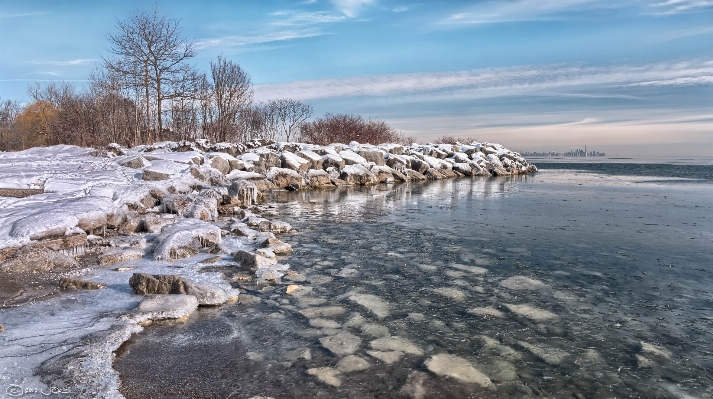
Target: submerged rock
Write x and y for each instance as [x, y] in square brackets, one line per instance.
[397, 344]
[352, 363]
[342, 343]
[458, 368]
[372, 302]
[327, 375]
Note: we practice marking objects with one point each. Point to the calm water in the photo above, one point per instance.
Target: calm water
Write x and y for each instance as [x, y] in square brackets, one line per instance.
[562, 284]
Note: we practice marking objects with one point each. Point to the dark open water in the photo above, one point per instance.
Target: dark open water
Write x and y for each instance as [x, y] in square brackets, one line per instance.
[564, 284]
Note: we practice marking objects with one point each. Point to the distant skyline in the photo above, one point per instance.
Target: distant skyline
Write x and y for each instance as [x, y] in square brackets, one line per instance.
[622, 77]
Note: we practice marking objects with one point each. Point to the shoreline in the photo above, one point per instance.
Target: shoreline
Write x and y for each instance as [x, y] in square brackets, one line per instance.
[119, 214]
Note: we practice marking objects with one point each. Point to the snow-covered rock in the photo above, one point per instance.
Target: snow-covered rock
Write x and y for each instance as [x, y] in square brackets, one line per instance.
[186, 238]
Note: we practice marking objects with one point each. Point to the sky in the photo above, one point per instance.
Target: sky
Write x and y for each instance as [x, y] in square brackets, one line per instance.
[625, 77]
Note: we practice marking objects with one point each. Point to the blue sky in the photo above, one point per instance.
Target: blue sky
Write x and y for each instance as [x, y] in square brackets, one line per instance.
[625, 77]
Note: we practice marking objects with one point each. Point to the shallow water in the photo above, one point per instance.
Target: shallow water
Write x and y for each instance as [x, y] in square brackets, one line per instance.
[560, 284]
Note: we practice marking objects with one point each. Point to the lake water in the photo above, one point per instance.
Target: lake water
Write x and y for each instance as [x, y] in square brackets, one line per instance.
[589, 283]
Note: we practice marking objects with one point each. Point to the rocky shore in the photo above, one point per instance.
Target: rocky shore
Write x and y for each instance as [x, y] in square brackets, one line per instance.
[82, 220]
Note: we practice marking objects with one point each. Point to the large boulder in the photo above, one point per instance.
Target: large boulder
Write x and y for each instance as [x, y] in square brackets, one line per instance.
[318, 178]
[285, 178]
[314, 158]
[135, 162]
[330, 160]
[294, 162]
[186, 238]
[143, 284]
[352, 158]
[221, 164]
[163, 170]
[383, 174]
[358, 175]
[419, 165]
[463, 168]
[38, 260]
[377, 157]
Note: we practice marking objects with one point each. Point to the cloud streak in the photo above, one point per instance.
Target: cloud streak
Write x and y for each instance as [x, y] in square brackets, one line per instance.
[78, 61]
[497, 82]
[236, 41]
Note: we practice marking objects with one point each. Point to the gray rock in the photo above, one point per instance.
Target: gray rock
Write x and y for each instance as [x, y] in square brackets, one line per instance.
[71, 284]
[333, 161]
[143, 284]
[318, 179]
[294, 162]
[342, 343]
[314, 158]
[221, 164]
[283, 178]
[120, 256]
[154, 175]
[358, 175]
[253, 261]
[277, 246]
[377, 157]
[137, 162]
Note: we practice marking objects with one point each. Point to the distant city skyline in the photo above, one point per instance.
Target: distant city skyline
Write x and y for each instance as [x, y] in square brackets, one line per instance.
[628, 78]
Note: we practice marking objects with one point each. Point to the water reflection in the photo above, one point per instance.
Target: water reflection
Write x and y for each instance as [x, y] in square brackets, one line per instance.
[491, 288]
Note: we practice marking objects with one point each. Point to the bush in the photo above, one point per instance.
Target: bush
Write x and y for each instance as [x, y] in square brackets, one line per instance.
[346, 128]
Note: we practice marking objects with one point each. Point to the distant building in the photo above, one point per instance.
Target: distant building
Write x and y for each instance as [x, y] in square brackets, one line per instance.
[575, 153]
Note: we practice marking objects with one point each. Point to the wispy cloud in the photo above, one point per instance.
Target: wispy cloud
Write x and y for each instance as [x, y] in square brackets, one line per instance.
[236, 41]
[22, 14]
[518, 10]
[291, 18]
[45, 73]
[497, 82]
[78, 61]
[351, 8]
[678, 6]
[400, 9]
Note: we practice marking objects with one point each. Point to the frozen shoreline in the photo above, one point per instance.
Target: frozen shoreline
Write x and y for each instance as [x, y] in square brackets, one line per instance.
[92, 199]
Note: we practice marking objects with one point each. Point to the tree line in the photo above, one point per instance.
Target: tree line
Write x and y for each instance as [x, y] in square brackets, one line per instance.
[147, 91]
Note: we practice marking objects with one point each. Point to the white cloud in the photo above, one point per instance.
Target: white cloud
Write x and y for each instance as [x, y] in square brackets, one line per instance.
[518, 10]
[351, 8]
[235, 41]
[400, 9]
[24, 14]
[497, 82]
[78, 61]
[677, 6]
[305, 18]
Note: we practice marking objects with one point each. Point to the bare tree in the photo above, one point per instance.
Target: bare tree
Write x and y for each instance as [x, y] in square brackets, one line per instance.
[232, 91]
[152, 54]
[284, 116]
[9, 139]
